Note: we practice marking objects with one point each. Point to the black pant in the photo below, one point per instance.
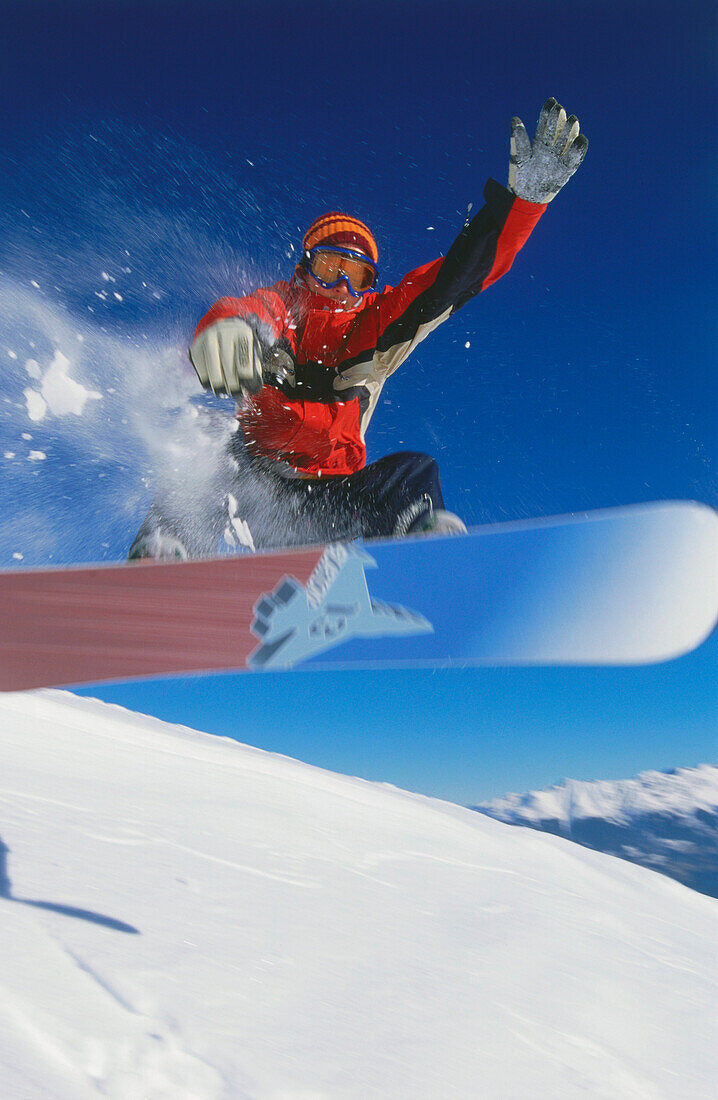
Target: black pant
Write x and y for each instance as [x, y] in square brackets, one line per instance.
[257, 500]
[385, 498]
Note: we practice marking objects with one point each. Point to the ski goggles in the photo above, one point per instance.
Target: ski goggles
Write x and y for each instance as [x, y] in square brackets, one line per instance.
[332, 266]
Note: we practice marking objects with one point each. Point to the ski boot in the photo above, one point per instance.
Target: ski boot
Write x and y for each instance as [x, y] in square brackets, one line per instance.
[157, 547]
[437, 521]
[422, 518]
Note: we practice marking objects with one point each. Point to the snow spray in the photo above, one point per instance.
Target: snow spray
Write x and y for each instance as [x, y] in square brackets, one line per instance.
[112, 249]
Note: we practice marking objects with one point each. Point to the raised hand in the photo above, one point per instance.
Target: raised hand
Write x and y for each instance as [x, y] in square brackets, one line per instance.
[538, 169]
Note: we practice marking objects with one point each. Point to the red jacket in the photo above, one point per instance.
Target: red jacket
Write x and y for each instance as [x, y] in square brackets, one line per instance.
[324, 370]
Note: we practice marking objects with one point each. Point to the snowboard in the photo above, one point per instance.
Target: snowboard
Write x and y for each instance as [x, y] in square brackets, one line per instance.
[632, 585]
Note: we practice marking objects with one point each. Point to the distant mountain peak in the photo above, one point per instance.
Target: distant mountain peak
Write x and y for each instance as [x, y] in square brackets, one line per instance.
[665, 820]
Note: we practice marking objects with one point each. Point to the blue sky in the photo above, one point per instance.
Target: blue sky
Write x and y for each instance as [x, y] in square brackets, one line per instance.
[203, 137]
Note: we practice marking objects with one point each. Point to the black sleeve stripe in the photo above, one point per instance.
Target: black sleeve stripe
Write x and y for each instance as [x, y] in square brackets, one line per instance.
[462, 272]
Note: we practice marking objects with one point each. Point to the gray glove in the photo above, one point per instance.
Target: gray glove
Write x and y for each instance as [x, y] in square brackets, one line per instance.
[227, 357]
[539, 169]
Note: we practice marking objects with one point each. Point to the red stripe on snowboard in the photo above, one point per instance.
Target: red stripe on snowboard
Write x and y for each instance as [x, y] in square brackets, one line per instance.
[48, 618]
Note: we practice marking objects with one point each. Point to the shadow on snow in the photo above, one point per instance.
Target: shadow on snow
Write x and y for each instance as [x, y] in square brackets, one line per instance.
[54, 907]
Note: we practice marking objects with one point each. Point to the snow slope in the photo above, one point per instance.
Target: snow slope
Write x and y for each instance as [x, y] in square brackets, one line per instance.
[186, 917]
[664, 820]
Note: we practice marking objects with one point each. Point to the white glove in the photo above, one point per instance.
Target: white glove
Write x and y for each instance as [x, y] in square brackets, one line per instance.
[539, 169]
[228, 357]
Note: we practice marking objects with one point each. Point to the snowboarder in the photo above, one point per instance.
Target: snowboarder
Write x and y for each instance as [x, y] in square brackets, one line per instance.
[307, 360]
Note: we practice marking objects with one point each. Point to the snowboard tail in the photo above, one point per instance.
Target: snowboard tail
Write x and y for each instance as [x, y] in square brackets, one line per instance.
[626, 586]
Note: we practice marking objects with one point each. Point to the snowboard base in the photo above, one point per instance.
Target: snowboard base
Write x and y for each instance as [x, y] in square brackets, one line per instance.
[625, 586]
